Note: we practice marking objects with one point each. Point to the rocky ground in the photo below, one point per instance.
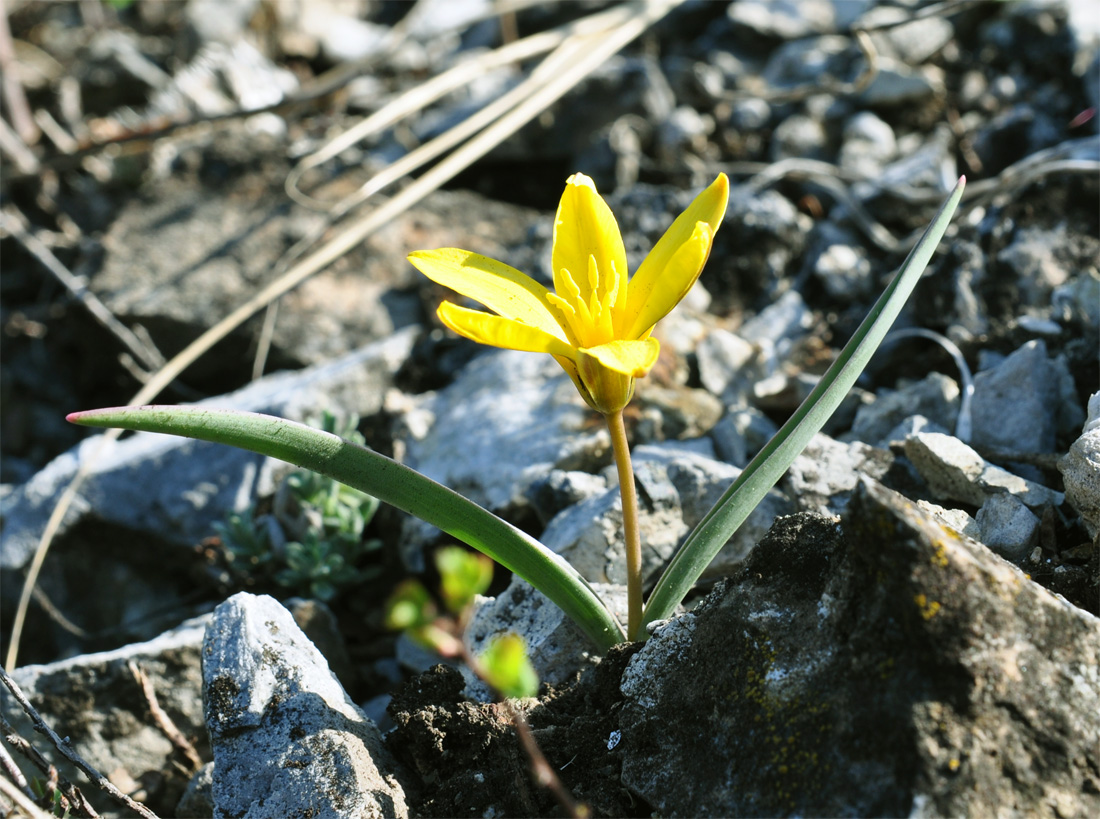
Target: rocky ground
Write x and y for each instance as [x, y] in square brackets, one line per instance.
[906, 625]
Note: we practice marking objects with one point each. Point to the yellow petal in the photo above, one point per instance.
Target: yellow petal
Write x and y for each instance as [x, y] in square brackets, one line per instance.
[585, 227]
[485, 328]
[708, 207]
[501, 288]
[633, 358]
[679, 274]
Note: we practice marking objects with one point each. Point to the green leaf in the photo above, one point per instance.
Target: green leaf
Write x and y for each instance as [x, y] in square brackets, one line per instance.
[463, 575]
[409, 606]
[389, 481]
[506, 667]
[762, 473]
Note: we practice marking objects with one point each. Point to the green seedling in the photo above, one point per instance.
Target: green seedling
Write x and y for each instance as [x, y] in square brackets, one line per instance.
[597, 329]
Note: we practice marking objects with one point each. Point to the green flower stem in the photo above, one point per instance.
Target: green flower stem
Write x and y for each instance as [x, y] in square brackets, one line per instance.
[621, 447]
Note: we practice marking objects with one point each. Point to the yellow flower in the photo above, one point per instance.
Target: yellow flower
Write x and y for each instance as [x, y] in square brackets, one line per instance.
[595, 323]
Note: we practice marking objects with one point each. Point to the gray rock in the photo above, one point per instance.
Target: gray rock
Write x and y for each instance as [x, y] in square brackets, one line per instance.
[685, 130]
[197, 801]
[506, 422]
[680, 414]
[1078, 299]
[740, 434]
[800, 62]
[561, 489]
[969, 274]
[750, 114]
[1035, 256]
[1019, 405]
[1008, 527]
[799, 136]
[726, 366]
[936, 397]
[285, 735]
[784, 320]
[925, 161]
[898, 84]
[957, 519]
[954, 470]
[557, 648]
[793, 19]
[844, 271]
[676, 489]
[95, 701]
[177, 277]
[894, 669]
[868, 145]
[822, 478]
[912, 42]
[218, 21]
[761, 242]
[590, 534]
[910, 426]
[1080, 468]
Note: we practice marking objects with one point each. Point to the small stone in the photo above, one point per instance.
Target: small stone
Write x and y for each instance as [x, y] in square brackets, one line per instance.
[1078, 300]
[561, 489]
[790, 20]
[1080, 468]
[1008, 527]
[726, 365]
[897, 84]
[911, 426]
[844, 271]
[684, 413]
[785, 319]
[869, 144]
[740, 434]
[1015, 403]
[936, 397]
[750, 114]
[799, 136]
[954, 470]
[1037, 259]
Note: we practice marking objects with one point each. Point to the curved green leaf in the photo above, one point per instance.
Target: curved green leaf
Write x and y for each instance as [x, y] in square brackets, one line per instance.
[386, 480]
[762, 473]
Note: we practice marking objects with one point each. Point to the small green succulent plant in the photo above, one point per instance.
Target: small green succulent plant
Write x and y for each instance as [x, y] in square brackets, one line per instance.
[313, 541]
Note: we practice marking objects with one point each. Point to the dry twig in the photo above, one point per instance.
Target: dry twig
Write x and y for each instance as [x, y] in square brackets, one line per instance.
[163, 721]
[64, 747]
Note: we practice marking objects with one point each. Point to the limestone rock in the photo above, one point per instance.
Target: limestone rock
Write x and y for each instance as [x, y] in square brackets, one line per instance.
[284, 733]
[954, 470]
[823, 476]
[1008, 527]
[95, 700]
[1016, 404]
[676, 488]
[1080, 468]
[506, 422]
[892, 668]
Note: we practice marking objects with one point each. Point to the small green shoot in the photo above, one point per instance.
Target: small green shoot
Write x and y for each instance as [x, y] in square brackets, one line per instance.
[507, 668]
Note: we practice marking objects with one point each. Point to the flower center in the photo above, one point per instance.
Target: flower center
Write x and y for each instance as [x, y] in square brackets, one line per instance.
[588, 315]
